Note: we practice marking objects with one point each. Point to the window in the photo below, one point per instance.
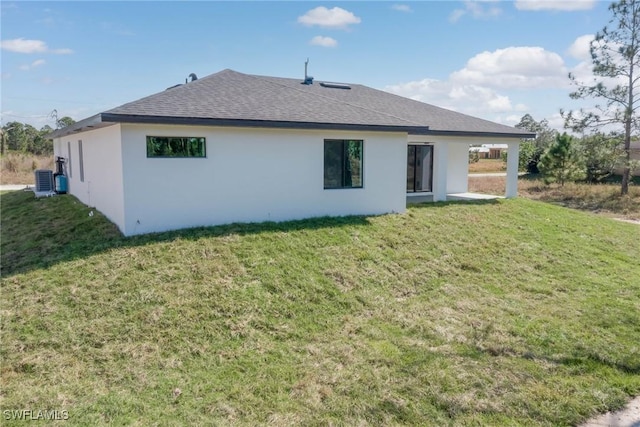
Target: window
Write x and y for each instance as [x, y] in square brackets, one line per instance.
[69, 157]
[342, 163]
[175, 146]
[81, 160]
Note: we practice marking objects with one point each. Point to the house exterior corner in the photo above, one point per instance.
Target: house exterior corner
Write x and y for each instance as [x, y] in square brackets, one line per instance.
[93, 166]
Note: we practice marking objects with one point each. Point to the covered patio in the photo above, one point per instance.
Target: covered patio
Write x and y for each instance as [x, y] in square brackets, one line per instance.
[442, 173]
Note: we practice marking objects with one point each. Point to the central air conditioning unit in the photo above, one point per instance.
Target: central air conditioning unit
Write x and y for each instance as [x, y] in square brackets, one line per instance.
[44, 181]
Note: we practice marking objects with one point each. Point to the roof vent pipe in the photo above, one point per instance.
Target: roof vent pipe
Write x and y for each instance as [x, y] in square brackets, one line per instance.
[308, 80]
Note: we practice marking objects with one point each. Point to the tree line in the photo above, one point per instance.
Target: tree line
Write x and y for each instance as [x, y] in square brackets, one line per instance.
[560, 157]
[23, 137]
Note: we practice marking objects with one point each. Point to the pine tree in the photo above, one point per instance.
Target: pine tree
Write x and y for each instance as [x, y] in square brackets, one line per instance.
[561, 162]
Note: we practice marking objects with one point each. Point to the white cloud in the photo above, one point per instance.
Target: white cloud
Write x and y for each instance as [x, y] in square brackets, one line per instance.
[30, 46]
[580, 48]
[485, 9]
[24, 46]
[329, 18]
[514, 67]
[402, 8]
[34, 64]
[583, 71]
[556, 121]
[512, 119]
[562, 5]
[324, 41]
[492, 85]
[425, 90]
[470, 99]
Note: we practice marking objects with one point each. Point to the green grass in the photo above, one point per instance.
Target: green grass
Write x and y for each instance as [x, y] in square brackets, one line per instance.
[498, 313]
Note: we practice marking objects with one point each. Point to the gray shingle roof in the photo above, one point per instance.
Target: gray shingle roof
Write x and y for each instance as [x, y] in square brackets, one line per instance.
[236, 99]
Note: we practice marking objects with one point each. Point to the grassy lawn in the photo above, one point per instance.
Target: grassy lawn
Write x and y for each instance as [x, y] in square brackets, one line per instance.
[511, 312]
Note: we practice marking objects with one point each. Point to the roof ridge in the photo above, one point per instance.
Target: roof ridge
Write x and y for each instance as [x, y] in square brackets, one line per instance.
[265, 79]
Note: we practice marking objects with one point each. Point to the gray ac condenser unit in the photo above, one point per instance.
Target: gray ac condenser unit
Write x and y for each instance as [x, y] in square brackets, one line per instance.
[44, 181]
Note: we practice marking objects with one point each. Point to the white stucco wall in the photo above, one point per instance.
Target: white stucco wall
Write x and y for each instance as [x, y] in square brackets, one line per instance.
[458, 168]
[102, 186]
[252, 175]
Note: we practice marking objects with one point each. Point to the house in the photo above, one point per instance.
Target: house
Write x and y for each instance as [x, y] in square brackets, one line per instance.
[233, 147]
[489, 151]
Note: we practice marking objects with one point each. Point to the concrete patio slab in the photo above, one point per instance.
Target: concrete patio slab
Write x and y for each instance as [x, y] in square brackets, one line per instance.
[472, 196]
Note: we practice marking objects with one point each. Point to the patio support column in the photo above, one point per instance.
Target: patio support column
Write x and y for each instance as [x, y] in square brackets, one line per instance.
[513, 152]
[440, 166]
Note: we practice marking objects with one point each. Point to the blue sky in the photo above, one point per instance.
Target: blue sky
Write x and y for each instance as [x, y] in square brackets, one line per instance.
[493, 59]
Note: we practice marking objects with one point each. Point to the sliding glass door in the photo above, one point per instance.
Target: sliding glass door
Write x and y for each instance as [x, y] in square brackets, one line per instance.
[419, 168]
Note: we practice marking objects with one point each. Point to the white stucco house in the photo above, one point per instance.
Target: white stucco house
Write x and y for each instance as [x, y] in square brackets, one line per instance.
[233, 147]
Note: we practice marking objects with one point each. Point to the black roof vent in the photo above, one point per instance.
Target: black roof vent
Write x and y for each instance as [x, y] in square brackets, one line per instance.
[335, 85]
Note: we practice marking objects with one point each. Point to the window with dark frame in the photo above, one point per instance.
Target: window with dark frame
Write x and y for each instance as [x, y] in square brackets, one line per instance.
[342, 163]
[176, 146]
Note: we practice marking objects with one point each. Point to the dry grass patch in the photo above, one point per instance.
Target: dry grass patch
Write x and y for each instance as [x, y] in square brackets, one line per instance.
[598, 198]
[487, 166]
[17, 168]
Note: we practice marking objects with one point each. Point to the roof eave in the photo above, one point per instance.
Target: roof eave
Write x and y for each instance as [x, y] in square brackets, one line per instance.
[481, 134]
[89, 123]
[203, 121]
[106, 119]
